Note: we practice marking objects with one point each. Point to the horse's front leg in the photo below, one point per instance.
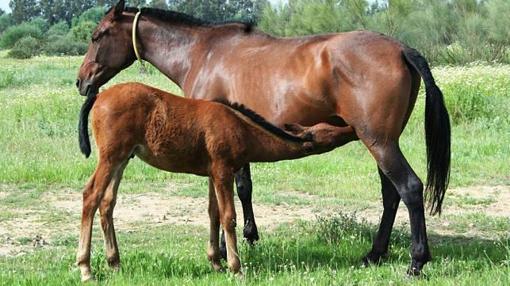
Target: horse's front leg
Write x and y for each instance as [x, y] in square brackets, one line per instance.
[244, 191]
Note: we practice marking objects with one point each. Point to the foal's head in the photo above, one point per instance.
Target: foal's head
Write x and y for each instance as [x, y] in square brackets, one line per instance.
[324, 137]
[109, 52]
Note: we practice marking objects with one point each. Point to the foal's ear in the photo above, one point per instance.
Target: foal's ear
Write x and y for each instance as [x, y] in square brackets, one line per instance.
[119, 8]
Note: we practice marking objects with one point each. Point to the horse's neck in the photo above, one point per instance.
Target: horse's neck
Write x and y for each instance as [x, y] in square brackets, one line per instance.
[168, 48]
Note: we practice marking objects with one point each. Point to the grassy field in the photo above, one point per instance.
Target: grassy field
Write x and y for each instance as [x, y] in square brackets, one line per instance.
[40, 159]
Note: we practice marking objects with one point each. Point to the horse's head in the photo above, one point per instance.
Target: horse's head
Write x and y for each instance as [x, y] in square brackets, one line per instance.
[109, 52]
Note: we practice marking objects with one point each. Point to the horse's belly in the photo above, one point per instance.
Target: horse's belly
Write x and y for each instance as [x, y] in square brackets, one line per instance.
[175, 161]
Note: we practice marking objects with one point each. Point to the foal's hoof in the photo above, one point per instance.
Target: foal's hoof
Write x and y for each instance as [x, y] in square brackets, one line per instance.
[87, 278]
[115, 267]
[373, 258]
[250, 232]
[216, 265]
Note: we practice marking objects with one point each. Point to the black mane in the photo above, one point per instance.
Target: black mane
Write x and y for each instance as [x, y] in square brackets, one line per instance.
[260, 121]
[185, 19]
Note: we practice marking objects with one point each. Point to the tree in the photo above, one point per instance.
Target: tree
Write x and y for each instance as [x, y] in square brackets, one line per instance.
[5, 22]
[106, 3]
[220, 10]
[160, 4]
[24, 10]
[2, 12]
[136, 3]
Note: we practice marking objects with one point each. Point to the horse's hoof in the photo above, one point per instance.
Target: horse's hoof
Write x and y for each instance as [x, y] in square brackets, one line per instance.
[223, 251]
[250, 232]
[415, 270]
[373, 258]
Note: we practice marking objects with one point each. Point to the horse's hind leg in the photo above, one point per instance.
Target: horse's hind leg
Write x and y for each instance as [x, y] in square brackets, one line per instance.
[106, 212]
[395, 167]
[213, 251]
[391, 200]
[244, 191]
[92, 196]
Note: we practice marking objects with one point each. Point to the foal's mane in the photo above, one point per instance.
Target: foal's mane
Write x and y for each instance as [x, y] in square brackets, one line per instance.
[185, 19]
[260, 121]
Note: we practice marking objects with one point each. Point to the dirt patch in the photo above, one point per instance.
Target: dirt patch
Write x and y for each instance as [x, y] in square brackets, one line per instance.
[62, 210]
[155, 208]
[61, 215]
[491, 201]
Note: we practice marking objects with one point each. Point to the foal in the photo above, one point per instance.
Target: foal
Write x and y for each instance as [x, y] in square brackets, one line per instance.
[182, 135]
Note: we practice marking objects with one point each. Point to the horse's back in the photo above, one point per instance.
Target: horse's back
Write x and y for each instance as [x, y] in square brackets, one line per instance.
[303, 79]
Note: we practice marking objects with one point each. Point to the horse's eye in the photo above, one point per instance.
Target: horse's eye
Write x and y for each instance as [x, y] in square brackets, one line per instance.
[97, 35]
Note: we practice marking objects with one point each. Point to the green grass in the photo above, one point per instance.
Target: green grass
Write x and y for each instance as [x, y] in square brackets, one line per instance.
[38, 139]
[297, 254]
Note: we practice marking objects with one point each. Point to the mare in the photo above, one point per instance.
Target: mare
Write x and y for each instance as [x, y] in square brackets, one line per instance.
[182, 135]
[360, 79]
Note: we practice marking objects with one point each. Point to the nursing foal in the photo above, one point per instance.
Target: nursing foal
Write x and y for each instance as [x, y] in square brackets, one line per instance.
[182, 135]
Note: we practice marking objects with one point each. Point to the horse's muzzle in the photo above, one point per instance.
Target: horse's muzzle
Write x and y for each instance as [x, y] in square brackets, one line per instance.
[85, 87]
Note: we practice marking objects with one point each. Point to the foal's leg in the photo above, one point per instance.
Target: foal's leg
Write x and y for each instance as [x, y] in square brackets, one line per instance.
[213, 252]
[396, 168]
[92, 196]
[391, 200]
[244, 191]
[223, 181]
[106, 211]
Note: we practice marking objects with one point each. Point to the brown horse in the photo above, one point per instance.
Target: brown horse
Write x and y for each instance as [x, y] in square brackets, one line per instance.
[360, 79]
[188, 136]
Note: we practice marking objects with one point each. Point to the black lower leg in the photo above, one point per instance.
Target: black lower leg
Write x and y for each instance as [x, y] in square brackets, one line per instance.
[410, 188]
[244, 191]
[391, 200]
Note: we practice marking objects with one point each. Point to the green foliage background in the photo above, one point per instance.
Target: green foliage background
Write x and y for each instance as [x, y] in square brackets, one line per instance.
[446, 31]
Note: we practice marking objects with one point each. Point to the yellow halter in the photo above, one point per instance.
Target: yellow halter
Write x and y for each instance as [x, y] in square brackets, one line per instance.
[135, 47]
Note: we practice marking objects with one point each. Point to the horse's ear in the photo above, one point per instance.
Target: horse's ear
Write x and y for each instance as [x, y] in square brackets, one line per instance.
[119, 8]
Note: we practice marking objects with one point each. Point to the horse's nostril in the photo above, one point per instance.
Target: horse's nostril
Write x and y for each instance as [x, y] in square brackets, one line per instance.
[78, 83]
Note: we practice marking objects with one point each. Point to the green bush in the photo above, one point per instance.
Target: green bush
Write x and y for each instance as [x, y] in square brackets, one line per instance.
[83, 31]
[59, 29]
[91, 15]
[14, 33]
[468, 102]
[498, 21]
[64, 45]
[25, 48]
[5, 22]
[41, 23]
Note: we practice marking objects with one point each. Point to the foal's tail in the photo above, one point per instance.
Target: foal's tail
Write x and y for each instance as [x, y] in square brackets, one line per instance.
[437, 133]
[83, 125]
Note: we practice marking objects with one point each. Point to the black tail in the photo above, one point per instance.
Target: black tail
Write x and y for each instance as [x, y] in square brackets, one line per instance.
[437, 134]
[83, 125]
